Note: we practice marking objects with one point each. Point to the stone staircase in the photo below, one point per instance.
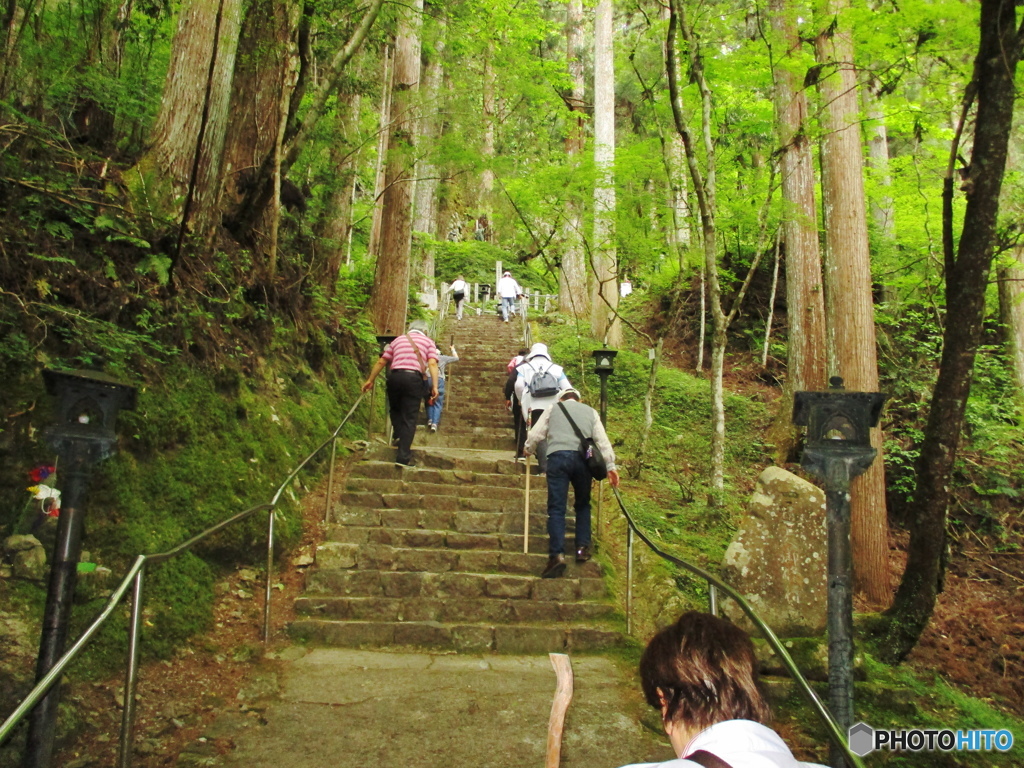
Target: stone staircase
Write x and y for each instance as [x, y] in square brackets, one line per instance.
[432, 556]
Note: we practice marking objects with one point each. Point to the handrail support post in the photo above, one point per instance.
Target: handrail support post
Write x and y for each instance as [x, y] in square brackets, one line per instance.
[131, 673]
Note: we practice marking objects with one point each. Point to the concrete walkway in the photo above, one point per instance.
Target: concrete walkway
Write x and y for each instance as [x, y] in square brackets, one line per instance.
[354, 709]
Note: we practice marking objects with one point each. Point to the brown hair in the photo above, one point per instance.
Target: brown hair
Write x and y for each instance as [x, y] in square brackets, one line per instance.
[703, 669]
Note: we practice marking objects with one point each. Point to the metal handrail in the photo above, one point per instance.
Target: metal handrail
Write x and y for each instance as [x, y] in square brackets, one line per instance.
[831, 726]
[135, 578]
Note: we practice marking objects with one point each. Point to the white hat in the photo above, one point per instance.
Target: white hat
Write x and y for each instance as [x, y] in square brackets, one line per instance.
[568, 393]
[538, 350]
[507, 274]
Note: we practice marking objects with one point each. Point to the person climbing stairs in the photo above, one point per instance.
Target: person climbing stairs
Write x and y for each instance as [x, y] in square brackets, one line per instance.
[433, 556]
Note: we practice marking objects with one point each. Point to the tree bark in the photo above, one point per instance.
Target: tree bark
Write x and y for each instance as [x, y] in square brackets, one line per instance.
[804, 296]
[967, 272]
[605, 324]
[389, 298]
[573, 297]
[188, 137]
[882, 211]
[427, 182]
[263, 54]
[384, 131]
[335, 227]
[1011, 311]
[848, 301]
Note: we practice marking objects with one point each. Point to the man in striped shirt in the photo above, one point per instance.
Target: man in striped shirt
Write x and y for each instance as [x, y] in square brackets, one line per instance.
[412, 358]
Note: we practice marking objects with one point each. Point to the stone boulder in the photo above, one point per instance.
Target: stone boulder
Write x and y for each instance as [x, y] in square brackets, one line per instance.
[778, 559]
[26, 556]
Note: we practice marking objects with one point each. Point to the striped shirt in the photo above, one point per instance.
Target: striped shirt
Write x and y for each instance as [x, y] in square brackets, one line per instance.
[402, 357]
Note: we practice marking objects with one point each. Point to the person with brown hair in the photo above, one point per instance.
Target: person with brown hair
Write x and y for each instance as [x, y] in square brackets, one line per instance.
[701, 673]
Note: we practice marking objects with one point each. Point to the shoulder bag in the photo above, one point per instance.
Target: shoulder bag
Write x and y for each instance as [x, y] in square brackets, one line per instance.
[588, 450]
[707, 759]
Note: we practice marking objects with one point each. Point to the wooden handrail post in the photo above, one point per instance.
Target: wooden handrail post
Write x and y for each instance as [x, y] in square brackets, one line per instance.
[563, 695]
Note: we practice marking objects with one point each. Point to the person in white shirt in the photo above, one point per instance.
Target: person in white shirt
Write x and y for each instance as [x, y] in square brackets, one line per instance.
[532, 404]
[701, 673]
[458, 289]
[508, 292]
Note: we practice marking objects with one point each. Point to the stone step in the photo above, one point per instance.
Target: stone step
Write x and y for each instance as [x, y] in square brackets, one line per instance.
[418, 537]
[469, 638]
[415, 485]
[354, 502]
[486, 462]
[510, 522]
[386, 470]
[439, 559]
[454, 584]
[472, 611]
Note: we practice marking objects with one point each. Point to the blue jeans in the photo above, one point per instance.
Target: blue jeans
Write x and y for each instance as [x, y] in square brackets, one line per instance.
[565, 467]
[434, 411]
[508, 304]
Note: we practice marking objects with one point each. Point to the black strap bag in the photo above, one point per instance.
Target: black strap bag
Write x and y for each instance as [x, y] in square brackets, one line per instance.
[588, 450]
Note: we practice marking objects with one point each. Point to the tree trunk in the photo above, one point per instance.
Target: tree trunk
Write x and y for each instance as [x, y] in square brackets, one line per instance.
[999, 51]
[652, 381]
[259, 87]
[389, 298]
[848, 301]
[298, 133]
[804, 296]
[604, 323]
[387, 83]
[1011, 311]
[882, 210]
[188, 137]
[705, 190]
[489, 117]
[427, 182]
[573, 297]
[335, 226]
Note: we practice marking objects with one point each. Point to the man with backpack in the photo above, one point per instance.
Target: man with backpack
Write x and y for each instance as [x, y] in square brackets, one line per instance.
[538, 383]
[561, 432]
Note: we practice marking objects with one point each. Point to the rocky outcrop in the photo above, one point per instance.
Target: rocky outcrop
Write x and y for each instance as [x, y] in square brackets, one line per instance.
[778, 559]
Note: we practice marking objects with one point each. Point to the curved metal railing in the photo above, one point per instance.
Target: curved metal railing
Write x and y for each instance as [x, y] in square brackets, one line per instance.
[832, 729]
[135, 578]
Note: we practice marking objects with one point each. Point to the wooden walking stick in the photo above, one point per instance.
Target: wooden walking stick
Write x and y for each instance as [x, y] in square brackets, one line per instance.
[526, 511]
[563, 695]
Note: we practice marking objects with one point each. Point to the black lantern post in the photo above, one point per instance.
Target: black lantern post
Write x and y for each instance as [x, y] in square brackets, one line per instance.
[383, 340]
[87, 406]
[837, 449]
[604, 364]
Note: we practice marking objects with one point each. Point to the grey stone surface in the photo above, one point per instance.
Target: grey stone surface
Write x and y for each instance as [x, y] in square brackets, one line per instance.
[778, 558]
[354, 709]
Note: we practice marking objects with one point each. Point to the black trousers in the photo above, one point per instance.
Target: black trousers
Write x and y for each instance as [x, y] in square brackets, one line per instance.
[405, 392]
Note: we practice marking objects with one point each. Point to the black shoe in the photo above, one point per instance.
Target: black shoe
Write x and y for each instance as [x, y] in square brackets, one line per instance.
[582, 554]
[554, 568]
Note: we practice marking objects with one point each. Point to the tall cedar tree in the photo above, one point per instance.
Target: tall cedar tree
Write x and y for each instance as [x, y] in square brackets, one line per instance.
[849, 311]
[389, 300]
